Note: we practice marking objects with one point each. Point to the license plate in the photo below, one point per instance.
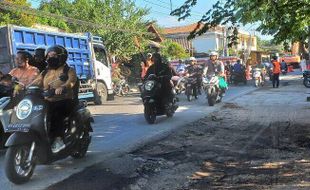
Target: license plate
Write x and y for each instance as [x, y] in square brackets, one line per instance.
[17, 127]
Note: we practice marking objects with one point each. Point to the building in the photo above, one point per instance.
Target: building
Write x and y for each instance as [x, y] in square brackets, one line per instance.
[212, 40]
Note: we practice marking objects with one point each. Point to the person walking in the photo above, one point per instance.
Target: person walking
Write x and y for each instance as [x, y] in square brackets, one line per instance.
[276, 72]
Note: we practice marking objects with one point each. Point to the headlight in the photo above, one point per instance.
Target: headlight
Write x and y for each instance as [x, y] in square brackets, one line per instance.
[149, 85]
[24, 109]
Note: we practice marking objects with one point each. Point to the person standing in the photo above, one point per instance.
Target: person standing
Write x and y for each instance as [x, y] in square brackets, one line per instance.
[276, 72]
[303, 64]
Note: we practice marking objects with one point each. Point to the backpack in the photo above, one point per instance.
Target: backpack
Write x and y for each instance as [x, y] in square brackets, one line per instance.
[76, 86]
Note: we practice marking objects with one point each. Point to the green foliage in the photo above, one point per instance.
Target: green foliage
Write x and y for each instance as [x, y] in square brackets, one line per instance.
[268, 46]
[285, 20]
[16, 17]
[118, 22]
[173, 50]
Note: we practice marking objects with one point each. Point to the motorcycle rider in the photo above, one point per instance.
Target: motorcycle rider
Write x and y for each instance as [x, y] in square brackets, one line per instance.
[284, 66]
[24, 72]
[194, 71]
[214, 66]
[161, 69]
[146, 65]
[60, 105]
[263, 69]
[180, 67]
[39, 59]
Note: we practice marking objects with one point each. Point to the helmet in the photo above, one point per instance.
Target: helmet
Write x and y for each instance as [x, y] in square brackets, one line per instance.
[214, 53]
[62, 53]
[192, 59]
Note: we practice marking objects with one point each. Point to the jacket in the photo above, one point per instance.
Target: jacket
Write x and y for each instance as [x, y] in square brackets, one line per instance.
[50, 81]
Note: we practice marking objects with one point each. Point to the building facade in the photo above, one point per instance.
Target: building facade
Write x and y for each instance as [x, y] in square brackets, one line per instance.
[213, 40]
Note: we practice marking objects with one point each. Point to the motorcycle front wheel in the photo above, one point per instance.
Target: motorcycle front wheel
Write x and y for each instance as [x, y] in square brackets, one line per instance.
[17, 169]
[189, 93]
[150, 114]
[306, 82]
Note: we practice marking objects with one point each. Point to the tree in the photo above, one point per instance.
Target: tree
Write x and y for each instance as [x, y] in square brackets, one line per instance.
[14, 16]
[285, 20]
[173, 50]
[269, 46]
[118, 22]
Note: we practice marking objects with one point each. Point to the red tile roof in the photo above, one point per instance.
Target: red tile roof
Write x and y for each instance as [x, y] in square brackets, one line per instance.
[186, 29]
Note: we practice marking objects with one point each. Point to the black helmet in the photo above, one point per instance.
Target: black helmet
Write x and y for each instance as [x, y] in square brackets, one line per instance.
[61, 52]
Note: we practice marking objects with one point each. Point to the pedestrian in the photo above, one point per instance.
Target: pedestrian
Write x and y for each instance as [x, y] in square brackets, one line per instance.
[303, 63]
[276, 72]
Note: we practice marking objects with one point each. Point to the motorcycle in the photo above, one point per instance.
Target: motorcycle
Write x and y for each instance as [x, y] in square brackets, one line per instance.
[191, 88]
[5, 112]
[212, 89]
[306, 77]
[238, 78]
[152, 100]
[179, 84]
[30, 141]
[5, 115]
[121, 88]
[257, 76]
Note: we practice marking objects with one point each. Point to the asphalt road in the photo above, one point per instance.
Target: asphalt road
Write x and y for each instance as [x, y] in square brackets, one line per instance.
[120, 127]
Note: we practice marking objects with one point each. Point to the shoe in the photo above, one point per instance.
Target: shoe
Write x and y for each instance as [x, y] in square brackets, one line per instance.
[58, 145]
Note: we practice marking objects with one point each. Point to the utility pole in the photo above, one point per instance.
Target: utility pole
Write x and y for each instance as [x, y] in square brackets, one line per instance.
[171, 5]
[308, 43]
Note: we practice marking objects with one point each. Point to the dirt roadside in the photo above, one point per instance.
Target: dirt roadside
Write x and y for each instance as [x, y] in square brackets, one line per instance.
[257, 141]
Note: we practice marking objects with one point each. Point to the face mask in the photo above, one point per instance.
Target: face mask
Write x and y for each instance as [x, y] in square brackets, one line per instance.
[53, 62]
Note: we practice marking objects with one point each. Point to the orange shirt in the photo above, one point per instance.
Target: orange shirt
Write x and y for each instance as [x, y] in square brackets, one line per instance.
[25, 76]
[276, 67]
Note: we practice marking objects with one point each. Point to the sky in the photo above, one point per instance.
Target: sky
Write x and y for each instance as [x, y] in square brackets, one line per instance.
[160, 11]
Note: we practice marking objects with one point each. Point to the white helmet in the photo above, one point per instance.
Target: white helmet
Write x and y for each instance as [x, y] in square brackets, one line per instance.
[214, 53]
[192, 59]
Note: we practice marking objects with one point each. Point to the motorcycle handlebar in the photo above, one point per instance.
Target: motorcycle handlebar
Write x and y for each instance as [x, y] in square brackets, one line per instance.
[51, 92]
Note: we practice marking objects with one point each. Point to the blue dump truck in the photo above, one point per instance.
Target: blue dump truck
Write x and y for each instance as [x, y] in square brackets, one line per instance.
[87, 55]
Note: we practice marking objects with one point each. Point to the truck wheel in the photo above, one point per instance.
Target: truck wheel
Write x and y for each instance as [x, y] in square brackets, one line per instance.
[101, 95]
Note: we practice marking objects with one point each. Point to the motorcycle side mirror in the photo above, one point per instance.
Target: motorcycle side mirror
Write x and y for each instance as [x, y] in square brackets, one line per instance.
[63, 77]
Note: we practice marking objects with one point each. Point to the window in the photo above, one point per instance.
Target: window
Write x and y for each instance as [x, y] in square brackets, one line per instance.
[101, 55]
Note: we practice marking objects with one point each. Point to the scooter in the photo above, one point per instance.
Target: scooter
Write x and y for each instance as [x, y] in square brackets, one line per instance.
[191, 88]
[121, 88]
[257, 76]
[5, 115]
[153, 103]
[179, 84]
[5, 112]
[306, 77]
[212, 89]
[30, 141]
[238, 78]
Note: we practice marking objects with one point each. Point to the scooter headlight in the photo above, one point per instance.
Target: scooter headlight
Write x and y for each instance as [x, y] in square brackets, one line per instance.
[24, 109]
[149, 85]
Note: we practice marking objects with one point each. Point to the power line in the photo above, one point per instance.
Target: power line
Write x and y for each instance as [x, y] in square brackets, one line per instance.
[12, 7]
[196, 13]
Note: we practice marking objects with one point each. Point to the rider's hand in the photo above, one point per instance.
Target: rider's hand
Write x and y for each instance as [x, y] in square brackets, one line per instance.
[58, 91]
[17, 89]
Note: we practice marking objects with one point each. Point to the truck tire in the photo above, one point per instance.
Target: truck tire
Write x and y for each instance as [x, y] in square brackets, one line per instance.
[101, 95]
